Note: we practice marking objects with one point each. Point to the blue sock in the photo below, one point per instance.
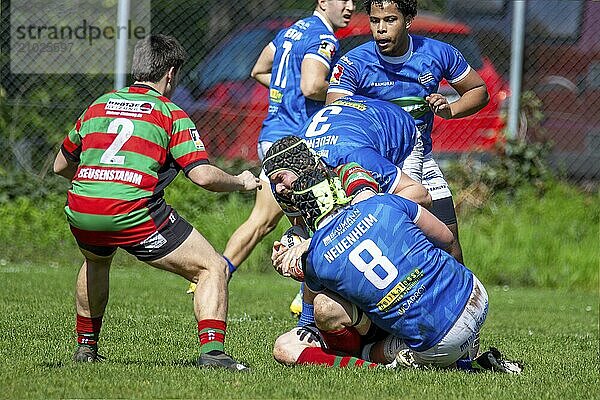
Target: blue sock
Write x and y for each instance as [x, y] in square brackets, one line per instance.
[308, 315]
[232, 268]
[465, 364]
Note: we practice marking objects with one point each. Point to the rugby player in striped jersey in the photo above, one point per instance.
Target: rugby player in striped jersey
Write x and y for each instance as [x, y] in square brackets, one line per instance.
[124, 150]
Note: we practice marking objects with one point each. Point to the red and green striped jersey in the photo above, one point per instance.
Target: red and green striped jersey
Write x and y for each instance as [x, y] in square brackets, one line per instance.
[130, 144]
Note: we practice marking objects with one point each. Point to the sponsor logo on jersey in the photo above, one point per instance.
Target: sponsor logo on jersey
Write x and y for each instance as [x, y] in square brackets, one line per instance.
[327, 49]
[104, 174]
[322, 153]
[154, 241]
[293, 34]
[352, 237]
[346, 61]
[381, 84]
[147, 107]
[350, 103]
[336, 74]
[196, 138]
[404, 307]
[342, 227]
[425, 78]
[275, 96]
[129, 106]
[398, 291]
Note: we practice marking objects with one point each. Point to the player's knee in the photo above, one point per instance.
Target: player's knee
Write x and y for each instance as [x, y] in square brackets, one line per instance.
[329, 315]
[283, 349]
[212, 266]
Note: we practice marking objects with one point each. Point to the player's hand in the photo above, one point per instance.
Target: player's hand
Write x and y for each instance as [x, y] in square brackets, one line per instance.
[439, 105]
[291, 264]
[277, 255]
[249, 181]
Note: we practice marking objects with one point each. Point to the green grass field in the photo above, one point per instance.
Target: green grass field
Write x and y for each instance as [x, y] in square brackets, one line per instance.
[149, 339]
[537, 255]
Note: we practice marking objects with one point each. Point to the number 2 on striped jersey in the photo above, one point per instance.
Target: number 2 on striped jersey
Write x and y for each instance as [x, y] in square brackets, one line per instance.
[110, 155]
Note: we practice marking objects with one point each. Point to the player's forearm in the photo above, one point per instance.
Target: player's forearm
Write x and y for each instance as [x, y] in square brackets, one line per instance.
[314, 79]
[416, 194]
[435, 230]
[63, 167]
[470, 102]
[261, 71]
[263, 78]
[216, 180]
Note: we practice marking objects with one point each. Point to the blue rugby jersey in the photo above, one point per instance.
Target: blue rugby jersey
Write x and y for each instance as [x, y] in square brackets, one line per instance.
[373, 255]
[311, 37]
[418, 73]
[376, 134]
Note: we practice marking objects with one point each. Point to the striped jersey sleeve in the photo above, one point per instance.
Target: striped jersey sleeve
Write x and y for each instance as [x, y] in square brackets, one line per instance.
[71, 145]
[186, 145]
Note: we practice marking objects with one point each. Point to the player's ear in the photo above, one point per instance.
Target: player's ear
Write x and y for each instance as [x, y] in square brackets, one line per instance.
[171, 74]
[408, 22]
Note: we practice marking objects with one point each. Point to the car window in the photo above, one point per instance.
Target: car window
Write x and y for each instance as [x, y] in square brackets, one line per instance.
[547, 19]
[557, 19]
[466, 44]
[233, 60]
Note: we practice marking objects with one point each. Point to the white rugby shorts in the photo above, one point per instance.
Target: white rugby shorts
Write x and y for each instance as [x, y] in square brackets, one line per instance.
[423, 168]
[262, 149]
[463, 337]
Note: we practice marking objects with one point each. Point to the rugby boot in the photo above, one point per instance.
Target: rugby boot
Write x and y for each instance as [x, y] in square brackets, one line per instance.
[220, 360]
[87, 354]
[492, 360]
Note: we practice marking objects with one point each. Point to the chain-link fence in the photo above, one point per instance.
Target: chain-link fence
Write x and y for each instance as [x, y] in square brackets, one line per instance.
[58, 56]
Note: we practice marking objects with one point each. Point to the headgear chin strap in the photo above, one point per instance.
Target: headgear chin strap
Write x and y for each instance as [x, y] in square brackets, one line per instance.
[316, 194]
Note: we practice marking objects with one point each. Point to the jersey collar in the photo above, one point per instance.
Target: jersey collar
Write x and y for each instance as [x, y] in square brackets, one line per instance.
[150, 88]
[326, 220]
[399, 59]
[329, 27]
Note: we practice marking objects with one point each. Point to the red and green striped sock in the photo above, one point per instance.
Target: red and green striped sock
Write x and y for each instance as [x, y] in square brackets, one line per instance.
[211, 333]
[88, 330]
[318, 356]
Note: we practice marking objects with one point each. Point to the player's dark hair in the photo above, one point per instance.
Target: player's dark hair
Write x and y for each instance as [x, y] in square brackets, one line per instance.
[408, 8]
[154, 55]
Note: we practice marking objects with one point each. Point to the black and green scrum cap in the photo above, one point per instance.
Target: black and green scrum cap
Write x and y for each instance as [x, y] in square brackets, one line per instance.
[289, 153]
[316, 194]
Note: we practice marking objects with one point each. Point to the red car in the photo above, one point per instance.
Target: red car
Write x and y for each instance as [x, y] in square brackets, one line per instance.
[561, 67]
[229, 107]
